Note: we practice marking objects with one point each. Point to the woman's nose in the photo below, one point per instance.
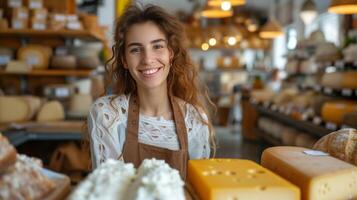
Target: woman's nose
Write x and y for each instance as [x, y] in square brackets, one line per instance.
[148, 57]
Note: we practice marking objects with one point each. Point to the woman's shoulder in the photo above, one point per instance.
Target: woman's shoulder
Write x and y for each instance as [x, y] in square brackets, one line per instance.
[191, 111]
[118, 101]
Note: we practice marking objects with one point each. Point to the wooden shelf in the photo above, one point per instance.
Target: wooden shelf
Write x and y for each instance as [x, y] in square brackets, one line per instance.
[82, 34]
[54, 72]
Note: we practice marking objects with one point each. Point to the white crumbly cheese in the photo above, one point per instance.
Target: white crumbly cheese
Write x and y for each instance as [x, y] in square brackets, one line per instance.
[115, 180]
[107, 182]
[156, 181]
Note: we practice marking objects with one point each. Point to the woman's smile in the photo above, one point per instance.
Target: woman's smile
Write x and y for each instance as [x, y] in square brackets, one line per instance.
[150, 72]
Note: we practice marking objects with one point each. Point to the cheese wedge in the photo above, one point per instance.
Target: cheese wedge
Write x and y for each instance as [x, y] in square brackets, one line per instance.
[320, 177]
[237, 179]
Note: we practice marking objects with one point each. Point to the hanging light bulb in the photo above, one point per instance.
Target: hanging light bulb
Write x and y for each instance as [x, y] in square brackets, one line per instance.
[212, 41]
[232, 41]
[308, 12]
[220, 2]
[205, 46]
[343, 7]
[226, 5]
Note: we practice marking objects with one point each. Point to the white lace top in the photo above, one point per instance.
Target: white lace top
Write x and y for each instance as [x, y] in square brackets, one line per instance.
[107, 130]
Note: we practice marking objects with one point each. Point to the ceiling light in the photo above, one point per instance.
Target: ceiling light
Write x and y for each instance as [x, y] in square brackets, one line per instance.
[219, 2]
[212, 41]
[232, 41]
[205, 46]
[215, 12]
[271, 30]
[226, 5]
[308, 12]
[343, 7]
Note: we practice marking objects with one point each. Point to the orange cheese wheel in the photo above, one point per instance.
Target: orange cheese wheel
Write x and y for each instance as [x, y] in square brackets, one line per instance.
[336, 110]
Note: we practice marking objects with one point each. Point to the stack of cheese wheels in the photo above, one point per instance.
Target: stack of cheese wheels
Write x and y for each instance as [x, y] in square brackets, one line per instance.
[341, 144]
[318, 175]
[18, 108]
[51, 111]
[237, 179]
[335, 111]
[35, 55]
[340, 80]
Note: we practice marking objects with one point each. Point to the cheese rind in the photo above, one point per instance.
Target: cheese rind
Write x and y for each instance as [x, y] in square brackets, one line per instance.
[319, 177]
[237, 179]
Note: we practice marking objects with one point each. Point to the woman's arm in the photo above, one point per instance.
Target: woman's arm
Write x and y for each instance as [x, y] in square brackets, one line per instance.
[103, 133]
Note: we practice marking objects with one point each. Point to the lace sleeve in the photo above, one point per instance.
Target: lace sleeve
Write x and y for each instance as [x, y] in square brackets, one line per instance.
[103, 133]
[199, 147]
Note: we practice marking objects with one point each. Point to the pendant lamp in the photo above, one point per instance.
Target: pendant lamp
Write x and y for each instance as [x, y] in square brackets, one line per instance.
[308, 12]
[215, 11]
[232, 2]
[272, 28]
[343, 7]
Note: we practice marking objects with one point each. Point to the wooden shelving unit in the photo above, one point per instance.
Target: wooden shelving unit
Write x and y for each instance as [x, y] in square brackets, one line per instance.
[53, 72]
[29, 33]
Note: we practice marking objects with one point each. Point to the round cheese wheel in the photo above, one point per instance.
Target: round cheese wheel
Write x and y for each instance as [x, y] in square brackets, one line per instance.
[336, 110]
[51, 111]
[63, 62]
[36, 56]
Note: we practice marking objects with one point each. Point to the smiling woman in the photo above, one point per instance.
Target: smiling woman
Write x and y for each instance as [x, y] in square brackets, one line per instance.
[158, 109]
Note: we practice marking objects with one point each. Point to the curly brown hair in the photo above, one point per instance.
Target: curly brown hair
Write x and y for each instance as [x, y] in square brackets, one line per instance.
[183, 81]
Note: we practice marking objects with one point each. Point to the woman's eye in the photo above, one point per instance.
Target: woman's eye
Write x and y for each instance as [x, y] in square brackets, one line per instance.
[135, 50]
[158, 46]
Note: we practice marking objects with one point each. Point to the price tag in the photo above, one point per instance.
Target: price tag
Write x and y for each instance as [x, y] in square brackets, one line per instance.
[347, 92]
[331, 126]
[62, 92]
[317, 120]
[32, 60]
[327, 90]
[35, 5]
[4, 59]
[39, 26]
[315, 153]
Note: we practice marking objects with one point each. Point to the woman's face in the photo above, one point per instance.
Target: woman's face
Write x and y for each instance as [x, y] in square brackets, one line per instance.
[147, 56]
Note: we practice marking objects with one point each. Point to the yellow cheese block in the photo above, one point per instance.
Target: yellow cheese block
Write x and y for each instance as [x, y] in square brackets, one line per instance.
[340, 80]
[237, 179]
[336, 110]
[319, 177]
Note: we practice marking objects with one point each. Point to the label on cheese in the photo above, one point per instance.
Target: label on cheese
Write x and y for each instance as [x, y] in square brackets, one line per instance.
[237, 179]
[315, 153]
[319, 177]
[4, 59]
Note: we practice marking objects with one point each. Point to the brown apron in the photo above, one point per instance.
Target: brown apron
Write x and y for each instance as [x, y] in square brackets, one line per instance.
[135, 152]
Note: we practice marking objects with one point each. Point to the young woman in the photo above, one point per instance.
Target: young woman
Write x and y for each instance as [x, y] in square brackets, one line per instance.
[158, 109]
